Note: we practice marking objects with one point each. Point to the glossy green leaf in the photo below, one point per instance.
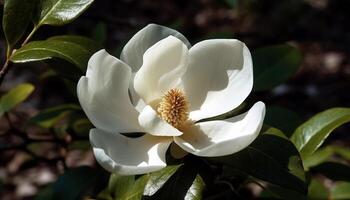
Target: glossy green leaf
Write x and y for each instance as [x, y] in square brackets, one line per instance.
[43, 50]
[310, 135]
[49, 117]
[317, 190]
[270, 158]
[341, 191]
[77, 182]
[157, 179]
[14, 97]
[185, 183]
[60, 12]
[16, 17]
[273, 65]
[333, 170]
[283, 118]
[327, 154]
[84, 42]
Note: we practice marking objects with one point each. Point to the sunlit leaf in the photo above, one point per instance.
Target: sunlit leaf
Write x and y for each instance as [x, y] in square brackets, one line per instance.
[273, 65]
[16, 17]
[310, 135]
[60, 12]
[14, 97]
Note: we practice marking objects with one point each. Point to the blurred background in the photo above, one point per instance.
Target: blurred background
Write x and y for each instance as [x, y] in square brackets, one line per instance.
[319, 29]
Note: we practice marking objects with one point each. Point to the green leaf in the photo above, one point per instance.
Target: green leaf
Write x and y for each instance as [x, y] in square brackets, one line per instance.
[124, 188]
[333, 170]
[341, 191]
[43, 50]
[326, 154]
[16, 17]
[84, 42]
[185, 183]
[273, 65]
[60, 12]
[265, 159]
[310, 135]
[317, 190]
[283, 118]
[14, 97]
[100, 33]
[49, 117]
[158, 179]
[76, 182]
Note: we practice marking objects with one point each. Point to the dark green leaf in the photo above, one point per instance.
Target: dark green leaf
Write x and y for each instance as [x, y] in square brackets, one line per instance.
[49, 117]
[75, 183]
[181, 185]
[341, 191]
[16, 17]
[272, 159]
[310, 135]
[43, 50]
[100, 33]
[157, 179]
[317, 190]
[60, 12]
[283, 118]
[273, 65]
[333, 170]
[14, 97]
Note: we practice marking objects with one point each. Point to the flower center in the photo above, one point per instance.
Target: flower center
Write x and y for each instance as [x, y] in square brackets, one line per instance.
[173, 107]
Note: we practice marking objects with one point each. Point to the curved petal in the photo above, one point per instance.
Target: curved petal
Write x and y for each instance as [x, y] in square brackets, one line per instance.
[219, 77]
[103, 94]
[154, 125]
[163, 66]
[127, 156]
[135, 48]
[219, 138]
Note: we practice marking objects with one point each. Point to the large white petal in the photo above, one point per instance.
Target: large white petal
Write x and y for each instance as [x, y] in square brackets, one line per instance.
[103, 94]
[219, 138]
[163, 66]
[154, 125]
[127, 156]
[219, 77]
[135, 48]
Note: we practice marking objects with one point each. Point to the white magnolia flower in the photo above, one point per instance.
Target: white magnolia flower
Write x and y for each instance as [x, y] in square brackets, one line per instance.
[162, 87]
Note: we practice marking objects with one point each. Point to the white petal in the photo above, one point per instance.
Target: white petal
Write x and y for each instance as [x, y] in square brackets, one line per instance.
[127, 156]
[219, 77]
[154, 125]
[133, 51]
[103, 94]
[219, 138]
[163, 66]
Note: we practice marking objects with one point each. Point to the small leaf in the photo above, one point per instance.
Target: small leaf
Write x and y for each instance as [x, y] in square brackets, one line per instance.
[310, 135]
[273, 65]
[60, 12]
[49, 117]
[14, 97]
[341, 191]
[43, 50]
[195, 191]
[16, 17]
